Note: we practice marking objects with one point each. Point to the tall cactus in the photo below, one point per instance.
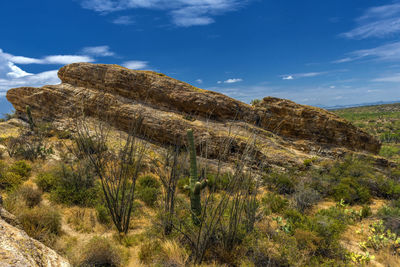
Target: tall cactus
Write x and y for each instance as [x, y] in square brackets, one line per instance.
[195, 185]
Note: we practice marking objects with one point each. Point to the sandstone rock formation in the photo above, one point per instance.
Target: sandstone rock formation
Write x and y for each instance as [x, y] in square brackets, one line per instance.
[285, 130]
[17, 249]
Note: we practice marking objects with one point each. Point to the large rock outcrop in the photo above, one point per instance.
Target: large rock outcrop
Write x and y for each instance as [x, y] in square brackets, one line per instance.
[17, 249]
[284, 129]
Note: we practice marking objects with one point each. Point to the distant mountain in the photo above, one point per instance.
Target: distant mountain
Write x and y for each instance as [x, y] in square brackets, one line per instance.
[358, 105]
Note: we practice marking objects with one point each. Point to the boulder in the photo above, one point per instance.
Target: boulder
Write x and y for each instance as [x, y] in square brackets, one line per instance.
[169, 107]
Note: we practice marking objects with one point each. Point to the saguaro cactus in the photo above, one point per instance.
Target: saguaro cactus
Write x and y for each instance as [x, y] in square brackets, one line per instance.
[195, 185]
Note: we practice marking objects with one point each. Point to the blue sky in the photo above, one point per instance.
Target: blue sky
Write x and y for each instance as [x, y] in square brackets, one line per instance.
[331, 52]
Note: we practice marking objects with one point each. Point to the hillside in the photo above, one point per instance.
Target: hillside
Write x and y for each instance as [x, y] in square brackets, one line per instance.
[382, 121]
[115, 167]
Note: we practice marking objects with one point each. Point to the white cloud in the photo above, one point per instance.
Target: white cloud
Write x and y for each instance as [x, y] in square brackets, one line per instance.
[184, 13]
[302, 75]
[380, 21]
[200, 81]
[66, 59]
[123, 20]
[387, 52]
[135, 64]
[233, 80]
[100, 51]
[55, 59]
[12, 75]
[16, 72]
[287, 77]
[219, 82]
[395, 78]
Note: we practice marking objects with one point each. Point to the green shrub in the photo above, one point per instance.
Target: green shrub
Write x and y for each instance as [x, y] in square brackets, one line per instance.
[30, 195]
[46, 181]
[22, 168]
[274, 203]
[218, 183]
[148, 189]
[351, 192]
[10, 180]
[283, 183]
[99, 251]
[42, 223]
[103, 215]
[75, 186]
[390, 216]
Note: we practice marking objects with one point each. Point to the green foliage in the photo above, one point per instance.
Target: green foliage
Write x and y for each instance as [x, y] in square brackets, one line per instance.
[148, 190]
[218, 182]
[380, 237]
[99, 251]
[71, 185]
[283, 183]
[390, 217]
[14, 175]
[255, 102]
[46, 181]
[103, 215]
[274, 203]
[351, 192]
[22, 168]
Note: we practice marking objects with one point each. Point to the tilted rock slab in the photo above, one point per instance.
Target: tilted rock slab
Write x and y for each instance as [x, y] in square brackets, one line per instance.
[17, 249]
[170, 107]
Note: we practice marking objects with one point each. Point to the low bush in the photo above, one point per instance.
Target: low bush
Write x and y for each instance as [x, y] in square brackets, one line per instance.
[273, 203]
[30, 195]
[72, 186]
[148, 189]
[99, 251]
[391, 217]
[42, 223]
[283, 183]
[22, 168]
[305, 197]
[149, 252]
[46, 181]
[351, 192]
[103, 215]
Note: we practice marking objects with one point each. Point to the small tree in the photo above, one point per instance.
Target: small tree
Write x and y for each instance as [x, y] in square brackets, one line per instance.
[117, 169]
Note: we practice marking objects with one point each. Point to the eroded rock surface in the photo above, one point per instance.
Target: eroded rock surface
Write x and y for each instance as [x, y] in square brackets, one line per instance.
[286, 132]
[17, 249]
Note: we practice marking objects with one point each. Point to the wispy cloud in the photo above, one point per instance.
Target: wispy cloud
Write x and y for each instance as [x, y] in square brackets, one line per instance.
[99, 51]
[302, 75]
[395, 78]
[124, 20]
[379, 21]
[387, 52]
[199, 81]
[184, 13]
[54, 59]
[135, 64]
[234, 80]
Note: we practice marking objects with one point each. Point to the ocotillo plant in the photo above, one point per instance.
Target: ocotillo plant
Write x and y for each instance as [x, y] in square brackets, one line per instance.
[30, 119]
[195, 185]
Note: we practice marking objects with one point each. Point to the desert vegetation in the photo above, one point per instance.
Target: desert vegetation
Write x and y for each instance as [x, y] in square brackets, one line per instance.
[101, 197]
